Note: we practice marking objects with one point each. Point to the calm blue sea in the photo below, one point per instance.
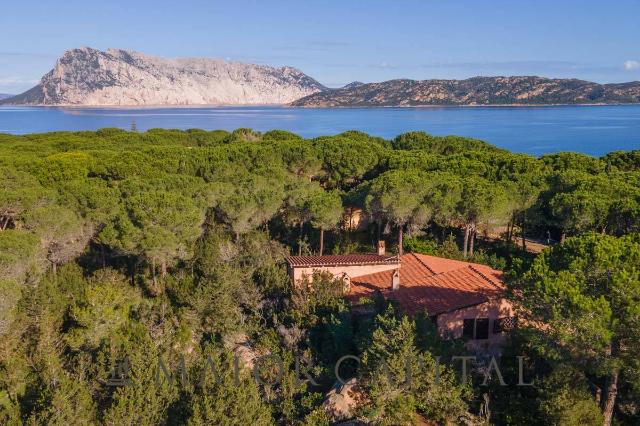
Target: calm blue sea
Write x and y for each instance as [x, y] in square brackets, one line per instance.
[535, 130]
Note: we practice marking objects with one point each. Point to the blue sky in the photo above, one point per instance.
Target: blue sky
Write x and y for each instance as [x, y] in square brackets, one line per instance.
[337, 42]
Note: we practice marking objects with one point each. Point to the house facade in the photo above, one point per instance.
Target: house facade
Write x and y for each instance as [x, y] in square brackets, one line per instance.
[464, 299]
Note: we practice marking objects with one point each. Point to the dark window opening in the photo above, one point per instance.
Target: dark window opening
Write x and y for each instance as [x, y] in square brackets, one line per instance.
[476, 328]
[467, 328]
[482, 328]
[498, 326]
[502, 325]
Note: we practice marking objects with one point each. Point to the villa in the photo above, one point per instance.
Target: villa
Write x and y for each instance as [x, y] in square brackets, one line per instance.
[464, 299]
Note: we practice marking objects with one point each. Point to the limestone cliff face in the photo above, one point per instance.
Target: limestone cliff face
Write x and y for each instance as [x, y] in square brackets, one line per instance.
[118, 77]
[475, 91]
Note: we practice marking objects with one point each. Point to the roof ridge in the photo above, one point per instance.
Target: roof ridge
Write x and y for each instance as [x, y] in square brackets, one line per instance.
[341, 259]
[423, 263]
[344, 255]
[477, 271]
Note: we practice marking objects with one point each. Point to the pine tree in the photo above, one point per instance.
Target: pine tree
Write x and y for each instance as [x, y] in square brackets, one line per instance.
[586, 292]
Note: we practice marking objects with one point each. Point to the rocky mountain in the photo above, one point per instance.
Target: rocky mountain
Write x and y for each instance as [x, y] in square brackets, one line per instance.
[119, 77]
[475, 91]
[352, 85]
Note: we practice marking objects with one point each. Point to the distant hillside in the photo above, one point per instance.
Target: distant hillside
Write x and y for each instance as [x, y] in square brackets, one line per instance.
[475, 91]
[115, 77]
[5, 95]
[352, 85]
[118, 77]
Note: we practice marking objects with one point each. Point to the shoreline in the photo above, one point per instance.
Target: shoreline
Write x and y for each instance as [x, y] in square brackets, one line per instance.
[196, 106]
[465, 106]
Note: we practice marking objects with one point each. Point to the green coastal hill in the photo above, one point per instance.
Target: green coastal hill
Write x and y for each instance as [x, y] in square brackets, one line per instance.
[475, 91]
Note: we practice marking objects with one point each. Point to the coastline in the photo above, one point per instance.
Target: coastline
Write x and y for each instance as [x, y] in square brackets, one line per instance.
[195, 106]
[467, 105]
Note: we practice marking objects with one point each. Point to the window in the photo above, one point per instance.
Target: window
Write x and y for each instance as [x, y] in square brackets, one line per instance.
[467, 328]
[502, 325]
[476, 328]
[482, 328]
[497, 326]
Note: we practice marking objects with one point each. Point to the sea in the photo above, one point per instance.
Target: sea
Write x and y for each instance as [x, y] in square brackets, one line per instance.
[594, 130]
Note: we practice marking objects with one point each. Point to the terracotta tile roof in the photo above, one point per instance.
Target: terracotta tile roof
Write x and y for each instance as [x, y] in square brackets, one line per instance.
[339, 260]
[433, 284]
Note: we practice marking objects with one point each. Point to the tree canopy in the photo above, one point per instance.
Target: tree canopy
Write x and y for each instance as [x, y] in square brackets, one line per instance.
[123, 252]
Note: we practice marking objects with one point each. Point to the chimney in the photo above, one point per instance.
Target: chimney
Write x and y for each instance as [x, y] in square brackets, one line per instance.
[381, 249]
[346, 281]
[395, 280]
